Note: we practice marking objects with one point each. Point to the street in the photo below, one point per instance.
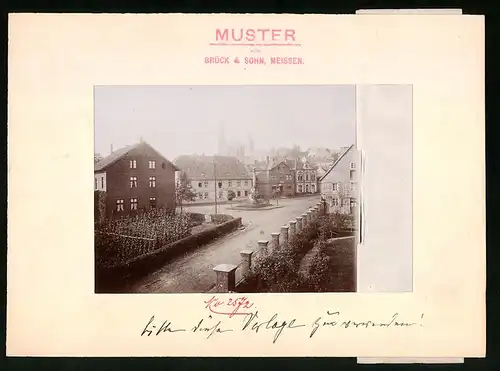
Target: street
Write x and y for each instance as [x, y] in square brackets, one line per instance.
[193, 272]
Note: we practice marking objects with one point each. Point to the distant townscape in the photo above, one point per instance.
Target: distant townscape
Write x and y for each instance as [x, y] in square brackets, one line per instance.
[138, 178]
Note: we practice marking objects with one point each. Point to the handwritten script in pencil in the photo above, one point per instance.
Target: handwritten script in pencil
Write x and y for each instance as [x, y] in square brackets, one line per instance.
[219, 321]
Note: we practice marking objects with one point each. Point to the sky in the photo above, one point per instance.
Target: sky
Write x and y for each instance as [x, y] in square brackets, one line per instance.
[179, 120]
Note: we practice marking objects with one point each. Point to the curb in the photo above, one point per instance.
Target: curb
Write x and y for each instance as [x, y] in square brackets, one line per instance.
[255, 209]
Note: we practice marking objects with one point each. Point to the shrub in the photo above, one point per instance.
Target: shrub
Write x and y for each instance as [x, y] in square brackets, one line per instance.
[276, 269]
[220, 218]
[319, 270]
[196, 218]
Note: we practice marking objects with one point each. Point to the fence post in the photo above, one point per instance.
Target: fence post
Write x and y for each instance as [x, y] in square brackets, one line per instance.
[299, 223]
[226, 277]
[284, 235]
[246, 257]
[304, 221]
[275, 238]
[293, 225]
[262, 244]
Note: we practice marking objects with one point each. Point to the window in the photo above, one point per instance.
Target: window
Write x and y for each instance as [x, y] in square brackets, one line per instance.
[352, 174]
[353, 186]
[313, 177]
[289, 186]
[205, 183]
[300, 188]
[133, 204]
[313, 188]
[229, 183]
[246, 182]
[133, 182]
[221, 194]
[206, 195]
[335, 187]
[281, 176]
[200, 184]
[152, 182]
[133, 164]
[346, 202]
[307, 176]
[95, 184]
[246, 193]
[335, 202]
[119, 205]
[200, 195]
[152, 202]
[353, 202]
[238, 183]
[163, 165]
[288, 176]
[238, 193]
[352, 165]
[152, 164]
[300, 176]
[102, 182]
[220, 184]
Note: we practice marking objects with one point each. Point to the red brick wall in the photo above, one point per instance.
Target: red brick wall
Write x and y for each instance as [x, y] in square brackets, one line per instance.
[288, 184]
[118, 181]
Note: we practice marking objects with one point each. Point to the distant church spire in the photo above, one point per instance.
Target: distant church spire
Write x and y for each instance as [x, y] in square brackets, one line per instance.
[221, 145]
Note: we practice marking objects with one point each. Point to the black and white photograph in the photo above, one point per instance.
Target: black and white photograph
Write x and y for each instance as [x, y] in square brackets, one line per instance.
[247, 189]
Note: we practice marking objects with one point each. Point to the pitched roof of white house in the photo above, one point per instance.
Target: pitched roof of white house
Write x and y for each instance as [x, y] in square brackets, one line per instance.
[120, 153]
[202, 167]
[336, 162]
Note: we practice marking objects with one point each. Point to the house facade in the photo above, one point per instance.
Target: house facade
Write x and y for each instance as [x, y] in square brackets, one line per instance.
[287, 178]
[135, 178]
[281, 179]
[213, 177]
[339, 185]
[305, 178]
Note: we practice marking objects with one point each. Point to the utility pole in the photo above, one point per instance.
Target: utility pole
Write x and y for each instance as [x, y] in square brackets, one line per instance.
[215, 186]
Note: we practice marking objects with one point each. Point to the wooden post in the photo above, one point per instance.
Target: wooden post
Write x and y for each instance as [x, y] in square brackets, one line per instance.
[226, 277]
[284, 235]
[299, 223]
[246, 257]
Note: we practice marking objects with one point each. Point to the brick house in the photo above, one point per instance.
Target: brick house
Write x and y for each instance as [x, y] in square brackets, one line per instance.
[339, 185]
[214, 176]
[277, 177]
[134, 178]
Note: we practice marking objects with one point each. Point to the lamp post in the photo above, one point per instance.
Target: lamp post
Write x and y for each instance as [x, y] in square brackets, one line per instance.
[215, 186]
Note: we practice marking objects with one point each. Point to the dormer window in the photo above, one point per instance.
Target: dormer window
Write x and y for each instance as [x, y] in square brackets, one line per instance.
[133, 164]
[152, 164]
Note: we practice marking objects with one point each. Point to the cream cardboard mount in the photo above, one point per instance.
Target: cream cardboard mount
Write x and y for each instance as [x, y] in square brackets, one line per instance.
[413, 298]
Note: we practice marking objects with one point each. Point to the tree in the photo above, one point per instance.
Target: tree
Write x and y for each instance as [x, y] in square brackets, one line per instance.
[183, 190]
[230, 195]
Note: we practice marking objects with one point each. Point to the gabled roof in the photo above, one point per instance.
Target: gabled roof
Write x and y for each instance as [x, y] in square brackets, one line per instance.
[336, 162]
[202, 167]
[278, 161]
[120, 153]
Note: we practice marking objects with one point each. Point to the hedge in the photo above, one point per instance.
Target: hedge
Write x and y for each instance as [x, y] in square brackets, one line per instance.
[115, 277]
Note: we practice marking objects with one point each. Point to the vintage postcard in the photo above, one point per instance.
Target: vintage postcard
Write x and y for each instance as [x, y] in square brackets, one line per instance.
[240, 185]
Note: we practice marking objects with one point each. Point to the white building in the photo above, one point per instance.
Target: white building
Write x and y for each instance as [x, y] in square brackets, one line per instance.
[339, 185]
